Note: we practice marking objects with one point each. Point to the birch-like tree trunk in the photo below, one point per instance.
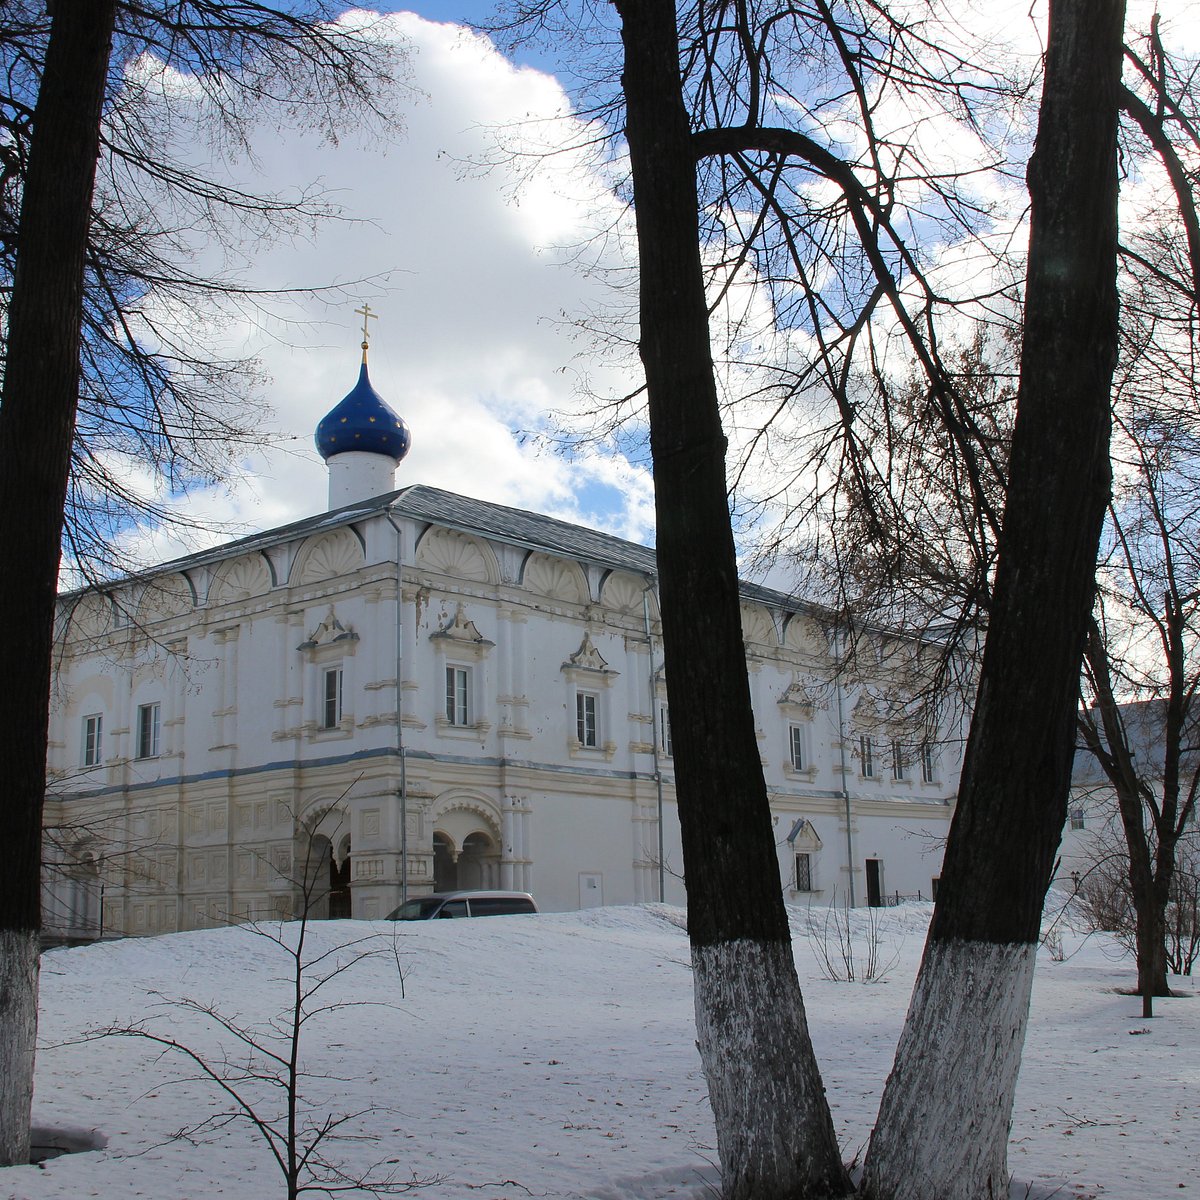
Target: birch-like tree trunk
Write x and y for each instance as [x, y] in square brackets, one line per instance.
[942, 1131]
[37, 422]
[774, 1132]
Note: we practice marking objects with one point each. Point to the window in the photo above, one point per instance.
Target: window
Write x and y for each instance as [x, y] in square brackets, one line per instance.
[458, 680]
[898, 763]
[585, 719]
[796, 749]
[803, 878]
[147, 731]
[866, 756]
[1077, 821]
[93, 753]
[331, 698]
[664, 732]
[927, 775]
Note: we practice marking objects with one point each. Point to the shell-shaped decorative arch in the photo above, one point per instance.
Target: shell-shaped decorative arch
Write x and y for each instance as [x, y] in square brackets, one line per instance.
[623, 592]
[555, 577]
[165, 596]
[757, 626]
[459, 814]
[449, 552]
[90, 616]
[804, 634]
[239, 579]
[331, 554]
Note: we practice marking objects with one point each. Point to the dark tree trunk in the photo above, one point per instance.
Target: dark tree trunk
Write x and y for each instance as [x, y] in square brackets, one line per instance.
[774, 1131]
[37, 422]
[1149, 870]
[943, 1126]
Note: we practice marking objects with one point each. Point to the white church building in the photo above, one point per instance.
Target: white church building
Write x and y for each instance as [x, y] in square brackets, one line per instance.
[418, 691]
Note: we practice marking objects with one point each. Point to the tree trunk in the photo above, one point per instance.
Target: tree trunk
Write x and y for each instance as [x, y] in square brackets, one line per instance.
[37, 422]
[774, 1132]
[1152, 946]
[942, 1131]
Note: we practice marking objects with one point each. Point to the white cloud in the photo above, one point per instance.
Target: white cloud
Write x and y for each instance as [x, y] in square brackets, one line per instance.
[470, 277]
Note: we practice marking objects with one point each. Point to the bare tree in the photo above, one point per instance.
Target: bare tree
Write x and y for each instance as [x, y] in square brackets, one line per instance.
[259, 1070]
[72, 347]
[37, 419]
[958, 1058]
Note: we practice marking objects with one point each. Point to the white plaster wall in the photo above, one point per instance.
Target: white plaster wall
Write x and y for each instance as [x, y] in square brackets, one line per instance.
[243, 754]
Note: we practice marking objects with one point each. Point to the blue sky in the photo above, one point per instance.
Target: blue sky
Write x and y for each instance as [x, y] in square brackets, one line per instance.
[474, 278]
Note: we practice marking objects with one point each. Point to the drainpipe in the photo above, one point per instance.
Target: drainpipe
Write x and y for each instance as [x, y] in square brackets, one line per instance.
[837, 678]
[662, 876]
[400, 715]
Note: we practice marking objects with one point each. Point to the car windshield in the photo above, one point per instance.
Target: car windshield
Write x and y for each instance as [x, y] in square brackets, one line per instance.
[417, 910]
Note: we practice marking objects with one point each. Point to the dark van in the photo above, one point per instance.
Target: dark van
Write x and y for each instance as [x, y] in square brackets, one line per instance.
[463, 904]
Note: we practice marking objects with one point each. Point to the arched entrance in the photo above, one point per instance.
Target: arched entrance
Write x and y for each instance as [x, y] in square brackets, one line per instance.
[466, 844]
[322, 868]
[339, 883]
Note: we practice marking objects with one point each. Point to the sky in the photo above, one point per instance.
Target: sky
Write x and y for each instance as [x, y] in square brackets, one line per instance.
[481, 279]
[478, 282]
[554, 1056]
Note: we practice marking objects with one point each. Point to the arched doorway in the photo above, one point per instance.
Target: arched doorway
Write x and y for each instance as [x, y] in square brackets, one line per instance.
[339, 883]
[478, 862]
[445, 864]
[322, 867]
[466, 844]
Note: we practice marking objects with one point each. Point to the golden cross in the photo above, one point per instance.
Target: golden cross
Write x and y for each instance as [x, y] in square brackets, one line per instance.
[367, 315]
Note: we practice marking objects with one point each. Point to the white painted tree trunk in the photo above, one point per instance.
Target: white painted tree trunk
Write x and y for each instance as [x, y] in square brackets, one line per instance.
[942, 1132]
[18, 1036]
[775, 1137]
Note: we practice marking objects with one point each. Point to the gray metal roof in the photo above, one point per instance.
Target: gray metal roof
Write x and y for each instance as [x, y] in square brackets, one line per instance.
[468, 515]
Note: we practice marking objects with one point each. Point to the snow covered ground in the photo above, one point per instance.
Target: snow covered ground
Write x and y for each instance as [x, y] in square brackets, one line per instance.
[553, 1056]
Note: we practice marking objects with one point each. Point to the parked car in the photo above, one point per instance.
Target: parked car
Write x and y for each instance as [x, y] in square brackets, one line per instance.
[463, 904]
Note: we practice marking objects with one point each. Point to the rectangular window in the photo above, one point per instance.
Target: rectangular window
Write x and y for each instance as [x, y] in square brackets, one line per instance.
[664, 732]
[803, 872]
[796, 747]
[898, 763]
[866, 756]
[147, 731]
[927, 763]
[93, 753]
[585, 719]
[1077, 821]
[458, 711]
[331, 698]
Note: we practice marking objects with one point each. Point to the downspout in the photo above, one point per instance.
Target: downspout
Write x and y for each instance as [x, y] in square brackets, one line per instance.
[662, 876]
[837, 682]
[400, 715]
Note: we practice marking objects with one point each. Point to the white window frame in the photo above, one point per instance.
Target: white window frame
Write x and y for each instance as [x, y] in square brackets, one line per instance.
[332, 701]
[92, 748]
[802, 876]
[457, 708]
[148, 730]
[866, 751]
[797, 749]
[587, 720]
[899, 764]
[1077, 819]
[665, 744]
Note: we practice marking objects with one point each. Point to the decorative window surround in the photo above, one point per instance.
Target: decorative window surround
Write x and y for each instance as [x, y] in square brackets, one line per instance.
[462, 635]
[148, 716]
[93, 748]
[806, 846]
[587, 674]
[459, 645]
[330, 639]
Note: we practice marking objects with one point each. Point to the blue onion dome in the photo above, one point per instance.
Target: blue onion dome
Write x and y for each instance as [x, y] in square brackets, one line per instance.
[363, 421]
